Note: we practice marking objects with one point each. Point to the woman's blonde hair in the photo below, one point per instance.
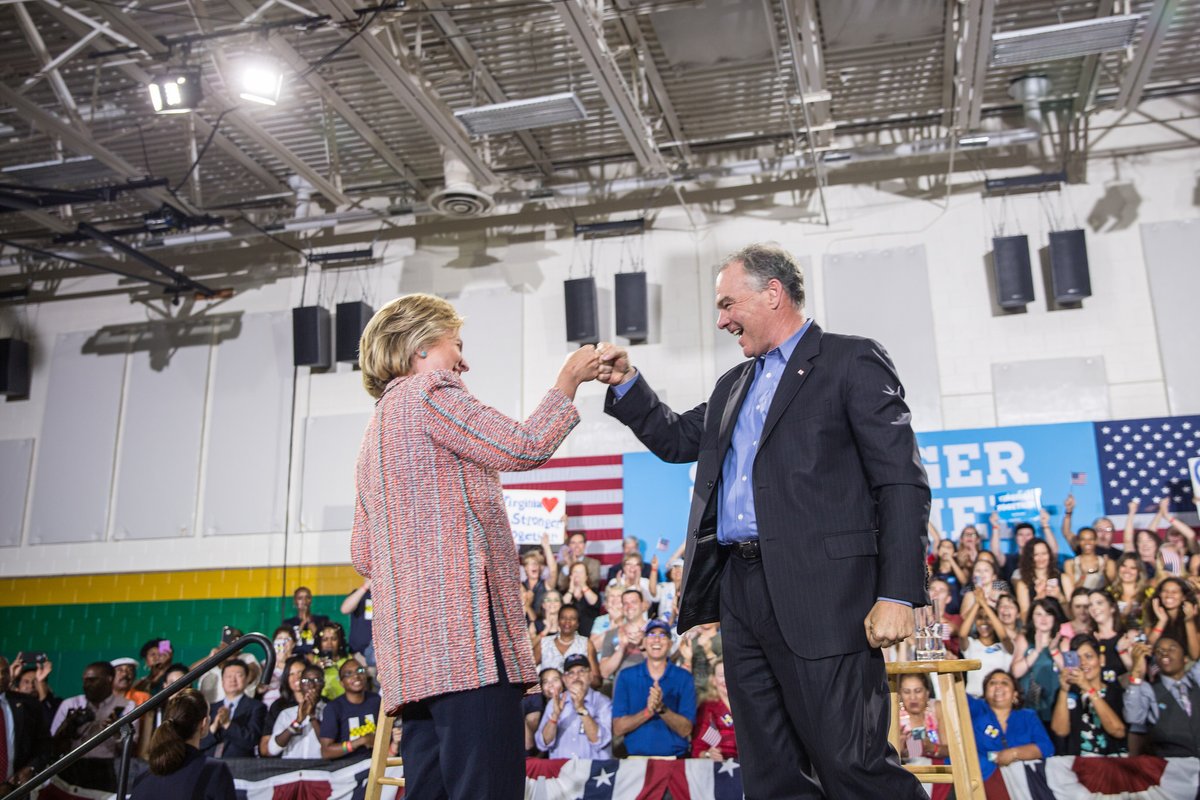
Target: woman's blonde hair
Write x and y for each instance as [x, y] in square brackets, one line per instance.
[395, 334]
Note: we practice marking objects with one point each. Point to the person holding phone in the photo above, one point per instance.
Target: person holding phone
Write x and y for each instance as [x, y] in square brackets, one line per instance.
[1162, 713]
[1087, 713]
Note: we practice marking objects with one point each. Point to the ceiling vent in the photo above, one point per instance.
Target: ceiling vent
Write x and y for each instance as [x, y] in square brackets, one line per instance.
[460, 197]
[521, 115]
[1065, 40]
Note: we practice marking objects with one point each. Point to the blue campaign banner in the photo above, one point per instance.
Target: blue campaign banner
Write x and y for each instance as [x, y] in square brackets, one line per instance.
[967, 468]
[657, 496]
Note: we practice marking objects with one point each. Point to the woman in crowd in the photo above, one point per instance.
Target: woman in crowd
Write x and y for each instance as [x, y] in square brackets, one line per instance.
[1148, 548]
[1130, 589]
[985, 576]
[1005, 732]
[668, 591]
[712, 735]
[1081, 615]
[546, 625]
[699, 651]
[289, 697]
[985, 639]
[1010, 615]
[939, 597]
[920, 719]
[1087, 713]
[428, 482]
[1033, 660]
[551, 652]
[1114, 642]
[968, 547]
[581, 596]
[1171, 612]
[533, 585]
[945, 567]
[177, 767]
[1089, 569]
[296, 732]
[332, 652]
[611, 619]
[284, 640]
[1040, 576]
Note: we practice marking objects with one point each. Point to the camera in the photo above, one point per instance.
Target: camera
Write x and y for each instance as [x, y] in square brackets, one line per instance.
[227, 635]
[1070, 659]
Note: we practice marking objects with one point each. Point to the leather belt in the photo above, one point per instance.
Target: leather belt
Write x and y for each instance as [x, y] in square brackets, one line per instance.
[747, 551]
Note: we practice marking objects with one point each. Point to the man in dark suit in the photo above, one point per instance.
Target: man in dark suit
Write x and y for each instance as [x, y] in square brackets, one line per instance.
[806, 535]
[236, 723]
[25, 746]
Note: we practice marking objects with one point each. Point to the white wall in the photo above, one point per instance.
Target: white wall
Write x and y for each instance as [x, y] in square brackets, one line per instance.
[686, 353]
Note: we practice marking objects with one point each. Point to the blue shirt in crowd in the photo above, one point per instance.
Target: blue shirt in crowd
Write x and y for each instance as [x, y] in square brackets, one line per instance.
[1024, 727]
[653, 737]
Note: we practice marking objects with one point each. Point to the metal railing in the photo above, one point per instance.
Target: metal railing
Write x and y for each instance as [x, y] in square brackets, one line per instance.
[123, 726]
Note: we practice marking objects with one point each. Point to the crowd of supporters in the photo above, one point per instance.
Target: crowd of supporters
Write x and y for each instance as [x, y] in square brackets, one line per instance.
[1087, 652]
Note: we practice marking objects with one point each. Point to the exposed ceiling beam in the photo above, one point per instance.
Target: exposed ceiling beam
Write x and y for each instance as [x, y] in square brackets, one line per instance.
[336, 101]
[588, 36]
[1133, 82]
[483, 77]
[82, 26]
[239, 119]
[974, 48]
[633, 33]
[177, 278]
[808, 60]
[1089, 72]
[948, 59]
[84, 145]
[34, 38]
[413, 90]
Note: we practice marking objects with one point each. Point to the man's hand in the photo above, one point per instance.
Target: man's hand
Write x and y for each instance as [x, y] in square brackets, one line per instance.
[1139, 653]
[888, 623]
[577, 692]
[1069, 504]
[614, 364]
[223, 720]
[654, 698]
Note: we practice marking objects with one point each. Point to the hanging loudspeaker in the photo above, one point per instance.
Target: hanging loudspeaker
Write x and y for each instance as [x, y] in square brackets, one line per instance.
[14, 368]
[1069, 267]
[1014, 275]
[632, 306]
[352, 318]
[311, 346]
[583, 319]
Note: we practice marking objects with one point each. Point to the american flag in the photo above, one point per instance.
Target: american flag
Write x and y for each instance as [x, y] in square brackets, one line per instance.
[1078, 478]
[711, 736]
[595, 504]
[1147, 460]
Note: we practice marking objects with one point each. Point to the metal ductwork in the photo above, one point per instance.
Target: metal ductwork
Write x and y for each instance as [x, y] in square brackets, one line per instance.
[461, 197]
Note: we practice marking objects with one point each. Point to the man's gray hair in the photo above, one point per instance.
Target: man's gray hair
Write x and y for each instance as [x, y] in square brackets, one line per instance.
[766, 260]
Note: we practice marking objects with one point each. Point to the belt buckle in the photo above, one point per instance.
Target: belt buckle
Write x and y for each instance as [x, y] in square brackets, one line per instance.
[748, 550]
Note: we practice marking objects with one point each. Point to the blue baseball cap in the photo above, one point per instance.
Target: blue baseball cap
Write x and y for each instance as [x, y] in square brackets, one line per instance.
[657, 624]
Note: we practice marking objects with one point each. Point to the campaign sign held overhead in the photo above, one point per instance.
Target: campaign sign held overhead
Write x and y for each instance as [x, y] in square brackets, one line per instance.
[533, 513]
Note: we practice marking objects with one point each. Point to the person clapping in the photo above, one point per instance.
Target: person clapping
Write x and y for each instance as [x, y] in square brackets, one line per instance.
[577, 722]
[654, 703]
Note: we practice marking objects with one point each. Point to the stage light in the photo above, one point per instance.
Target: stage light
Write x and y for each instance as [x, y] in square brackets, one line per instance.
[261, 82]
[176, 92]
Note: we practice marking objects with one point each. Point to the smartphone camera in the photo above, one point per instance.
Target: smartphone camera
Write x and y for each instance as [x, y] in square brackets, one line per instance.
[1070, 659]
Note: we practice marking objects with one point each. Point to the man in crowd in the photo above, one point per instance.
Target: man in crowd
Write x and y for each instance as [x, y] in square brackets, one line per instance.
[807, 531]
[1023, 534]
[348, 724]
[576, 549]
[211, 683]
[158, 656]
[654, 703]
[236, 721]
[83, 716]
[305, 624]
[25, 748]
[577, 722]
[296, 729]
[629, 546]
[360, 607]
[623, 647]
[124, 674]
[1103, 526]
[1163, 716]
[630, 577]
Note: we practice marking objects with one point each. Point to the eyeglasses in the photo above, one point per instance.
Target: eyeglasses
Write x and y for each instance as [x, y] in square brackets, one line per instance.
[353, 672]
[311, 681]
[656, 635]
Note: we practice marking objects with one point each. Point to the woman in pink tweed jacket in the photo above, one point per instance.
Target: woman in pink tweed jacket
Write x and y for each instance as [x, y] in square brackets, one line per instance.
[432, 534]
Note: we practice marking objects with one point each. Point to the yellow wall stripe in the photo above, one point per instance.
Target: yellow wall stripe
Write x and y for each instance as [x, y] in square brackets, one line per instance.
[209, 584]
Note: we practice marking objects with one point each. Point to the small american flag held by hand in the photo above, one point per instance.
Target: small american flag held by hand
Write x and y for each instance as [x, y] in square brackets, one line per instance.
[711, 736]
[1078, 478]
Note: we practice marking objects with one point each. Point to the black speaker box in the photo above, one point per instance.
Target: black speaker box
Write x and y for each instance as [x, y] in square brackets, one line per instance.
[352, 318]
[1014, 275]
[1069, 274]
[632, 304]
[583, 319]
[311, 345]
[14, 368]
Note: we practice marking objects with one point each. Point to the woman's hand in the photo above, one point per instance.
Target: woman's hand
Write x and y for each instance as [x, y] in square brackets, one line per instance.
[581, 366]
[1159, 611]
[1006, 756]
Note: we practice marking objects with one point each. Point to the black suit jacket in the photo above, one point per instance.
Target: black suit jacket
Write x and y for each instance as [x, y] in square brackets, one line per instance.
[242, 736]
[31, 733]
[840, 494]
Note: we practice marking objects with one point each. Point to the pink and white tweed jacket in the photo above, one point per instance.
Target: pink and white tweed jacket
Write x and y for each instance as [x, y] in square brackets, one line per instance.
[432, 534]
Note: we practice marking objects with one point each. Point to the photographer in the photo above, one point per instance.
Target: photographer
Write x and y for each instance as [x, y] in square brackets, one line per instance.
[83, 716]
[30, 674]
[1162, 713]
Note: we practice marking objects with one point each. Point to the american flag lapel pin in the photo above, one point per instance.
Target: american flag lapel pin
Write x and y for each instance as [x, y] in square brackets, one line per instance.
[799, 372]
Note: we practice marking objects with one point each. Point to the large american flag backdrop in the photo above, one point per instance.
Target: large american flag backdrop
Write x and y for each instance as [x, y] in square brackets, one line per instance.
[595, 490]
[1145, 460]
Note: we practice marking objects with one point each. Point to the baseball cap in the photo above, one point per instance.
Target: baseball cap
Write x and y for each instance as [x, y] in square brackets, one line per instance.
[120, 662]
[659, 625]
[576, 660]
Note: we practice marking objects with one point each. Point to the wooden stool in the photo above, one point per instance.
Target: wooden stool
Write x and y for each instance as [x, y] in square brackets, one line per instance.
[380, 760]
[957, 733]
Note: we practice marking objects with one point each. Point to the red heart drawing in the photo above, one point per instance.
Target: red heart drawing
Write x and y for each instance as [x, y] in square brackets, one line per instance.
[549, 503]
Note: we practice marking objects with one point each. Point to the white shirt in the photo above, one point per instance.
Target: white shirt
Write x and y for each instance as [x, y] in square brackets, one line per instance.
[306, 744]
[990, 657]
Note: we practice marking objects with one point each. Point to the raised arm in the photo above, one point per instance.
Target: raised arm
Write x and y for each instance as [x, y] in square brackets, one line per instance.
[673, 437]
[1067, 530]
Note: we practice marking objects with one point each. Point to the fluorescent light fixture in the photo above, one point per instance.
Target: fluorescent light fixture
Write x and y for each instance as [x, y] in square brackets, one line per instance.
[176, 92]
[521, 115]
[261, 81]
[834, 156]
[811, 97]
[974, 141]
[1064, 40]
[196, 238]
